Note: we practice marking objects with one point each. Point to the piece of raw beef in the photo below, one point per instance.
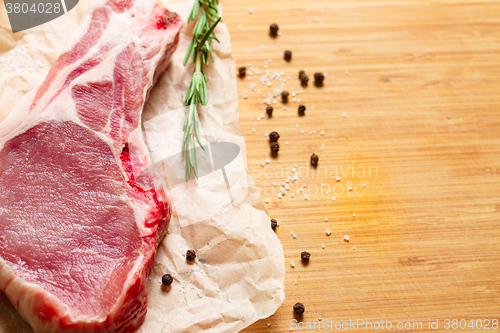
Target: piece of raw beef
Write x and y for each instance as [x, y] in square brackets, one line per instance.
[78, 234]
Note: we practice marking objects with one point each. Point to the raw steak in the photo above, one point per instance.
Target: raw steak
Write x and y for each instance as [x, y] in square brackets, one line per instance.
[78, 234]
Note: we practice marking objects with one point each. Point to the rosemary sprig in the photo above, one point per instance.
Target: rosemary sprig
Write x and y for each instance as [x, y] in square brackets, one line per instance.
[199, 50]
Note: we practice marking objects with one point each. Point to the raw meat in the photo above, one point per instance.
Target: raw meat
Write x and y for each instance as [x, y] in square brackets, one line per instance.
[78, 234]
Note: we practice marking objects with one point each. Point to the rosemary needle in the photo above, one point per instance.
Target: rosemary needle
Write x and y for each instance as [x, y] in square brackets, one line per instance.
[199, 51]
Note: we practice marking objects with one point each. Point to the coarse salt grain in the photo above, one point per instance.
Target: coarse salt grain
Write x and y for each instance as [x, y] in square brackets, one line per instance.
[239, 27]
[346, 238]
[334, 198]
[323, 246]
[268, 160]
[267, 200]
[292, 264]
[338, 178]
[322, 132]
[328, 232]
[250, 10]
[344, 114]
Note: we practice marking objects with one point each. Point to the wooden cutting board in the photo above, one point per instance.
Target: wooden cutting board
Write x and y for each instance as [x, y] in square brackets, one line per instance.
[411, 108]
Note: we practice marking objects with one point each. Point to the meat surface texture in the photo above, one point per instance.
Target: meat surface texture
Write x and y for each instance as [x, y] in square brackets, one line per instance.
[78, 233]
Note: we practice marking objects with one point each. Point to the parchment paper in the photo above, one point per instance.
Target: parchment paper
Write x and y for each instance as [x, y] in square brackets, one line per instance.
[238, 276]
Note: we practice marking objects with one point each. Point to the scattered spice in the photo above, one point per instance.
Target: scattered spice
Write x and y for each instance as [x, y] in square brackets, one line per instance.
[274, 136]
[242, 71]
[190, 255]
[305, 256]
[318, 79]
[284, 96]
[274, 224]
[301, 73]
[314, 160]
[275, 147]
[302, 109]
[274, 29]
[167, 279]
[269, 111]
[303, 80]
[299, 308]
[288, 55]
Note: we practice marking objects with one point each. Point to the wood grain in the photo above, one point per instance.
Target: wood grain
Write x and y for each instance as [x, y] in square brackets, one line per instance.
[422, 104]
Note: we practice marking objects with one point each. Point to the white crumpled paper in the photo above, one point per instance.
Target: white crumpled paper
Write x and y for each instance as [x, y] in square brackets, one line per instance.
[238, 276]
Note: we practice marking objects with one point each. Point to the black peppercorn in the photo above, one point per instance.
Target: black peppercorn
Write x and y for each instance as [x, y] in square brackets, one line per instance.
[301, 73]
[269, 111]
[318, 79]
[299, 308]
[302, 109]
[303, 80]
[305, 256]
[242, 71]
[274, 136]
[167, 280]
[288, 55]
[284, 96]
[190, 255]
[274, 29]
[314, 160]
[275, 147]
[274, 224]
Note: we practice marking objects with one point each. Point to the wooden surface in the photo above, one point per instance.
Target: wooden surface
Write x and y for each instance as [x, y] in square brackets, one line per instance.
[422, 105]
